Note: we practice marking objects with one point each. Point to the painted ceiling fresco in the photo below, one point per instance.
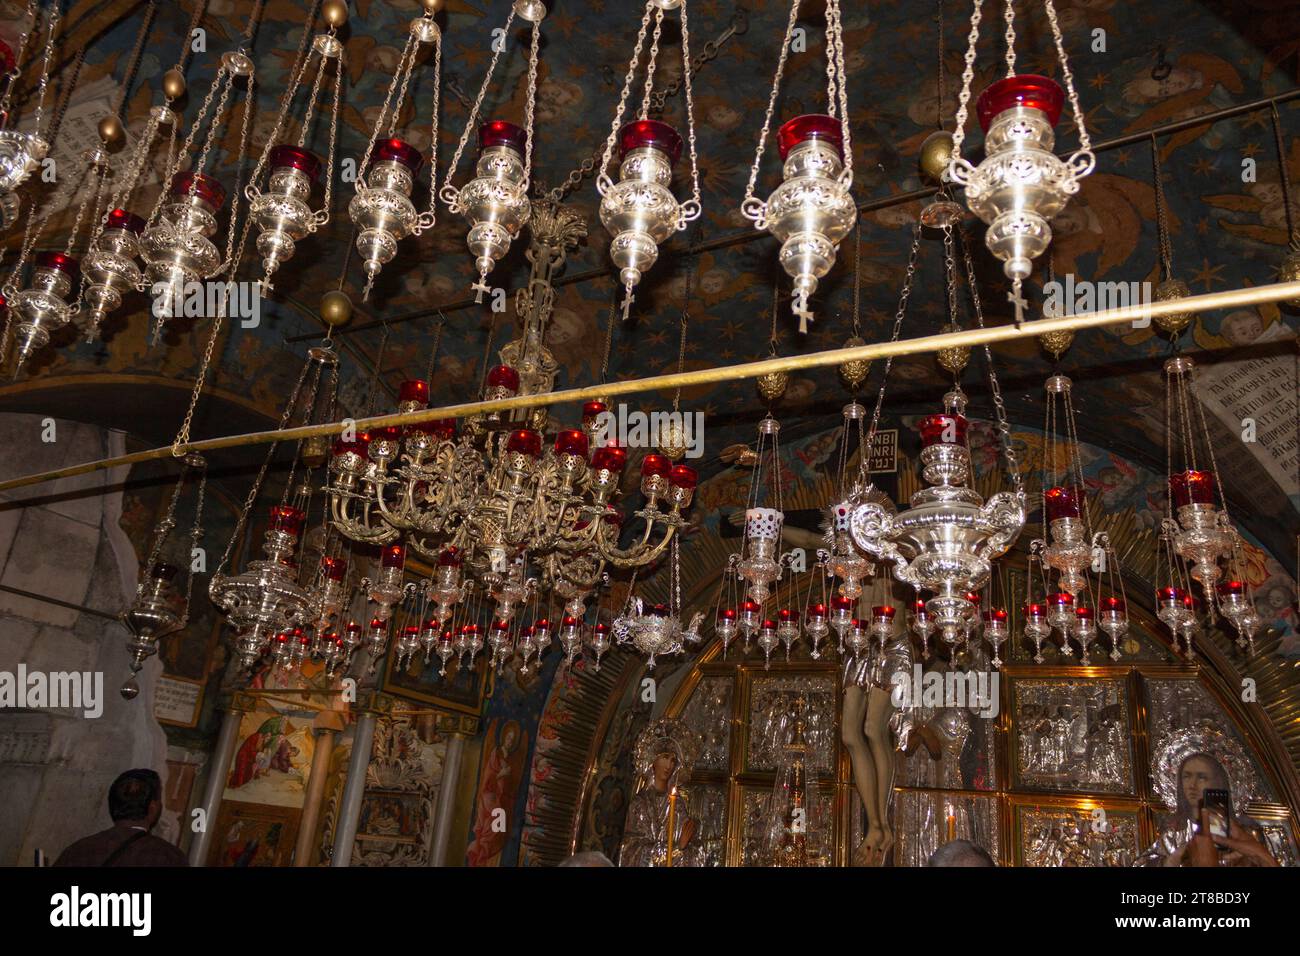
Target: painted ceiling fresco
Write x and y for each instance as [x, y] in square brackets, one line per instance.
[1134, 70]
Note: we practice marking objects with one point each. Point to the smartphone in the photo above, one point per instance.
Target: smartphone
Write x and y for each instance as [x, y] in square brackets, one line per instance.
[1218, 804]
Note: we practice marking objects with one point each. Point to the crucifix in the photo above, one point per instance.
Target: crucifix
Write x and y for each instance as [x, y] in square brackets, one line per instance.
[628, 299]
[802, 312]
[480, 287]
[1019, 301]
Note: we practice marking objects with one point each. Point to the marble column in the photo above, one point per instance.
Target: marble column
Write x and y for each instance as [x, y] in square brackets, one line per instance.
[218, 772]
[345, 833]
[443, 813]
[305, 849]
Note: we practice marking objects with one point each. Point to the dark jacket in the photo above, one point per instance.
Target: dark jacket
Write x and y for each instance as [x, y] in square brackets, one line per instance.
[147, 850]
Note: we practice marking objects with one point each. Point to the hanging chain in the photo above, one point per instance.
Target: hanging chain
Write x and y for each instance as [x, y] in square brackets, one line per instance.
[200, 7]
[242, 522]
[196, 534]
[160, 532]
[487, 353]
[133, 61]
[301, 61]
[1162, 219]
[327, 205]
[683, 322]
[691, 209]
[10, 79]
[182, 439]
[739, 24]
[98, 173]
[402, 66]
[1082, 161]
[652, 60]
[967, 77]
[939, 72]
[376, 372]
[230, 266]
[950, 278]
[1011, 38]
[65, 98]
[903, 297]
[857, 277]
[1051, 450]
[429, 217]
[1293, 237]
[317, 365]
[530, 102]
[135, 162]
[835, 56]
[751, 207]
[602, 179]
[92, 233]
[1074, 461]
[405, 68]
[1004, 428]
[222, 82]
[51, 29]
[435, 348]
[450, 195]
[250, 30]
[609, 337]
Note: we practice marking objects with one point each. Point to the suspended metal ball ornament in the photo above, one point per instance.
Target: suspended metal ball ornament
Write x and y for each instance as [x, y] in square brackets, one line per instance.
[1171, 290]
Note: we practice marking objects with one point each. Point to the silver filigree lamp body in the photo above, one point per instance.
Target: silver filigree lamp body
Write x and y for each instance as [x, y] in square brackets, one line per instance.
[495, 201]
[43, 307]
[382, 210]
[283, 213]
[111, 267]
[812, 209]
[1021, 183]
[946, 541]
[640, 210]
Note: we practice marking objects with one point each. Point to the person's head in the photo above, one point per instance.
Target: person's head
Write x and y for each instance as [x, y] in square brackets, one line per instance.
[136, 796]
[665, 763]
[587, 858]
[960, 853]
[509, 736]
[1197, 773]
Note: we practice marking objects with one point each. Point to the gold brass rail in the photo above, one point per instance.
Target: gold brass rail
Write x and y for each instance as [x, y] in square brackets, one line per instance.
[1229, 298]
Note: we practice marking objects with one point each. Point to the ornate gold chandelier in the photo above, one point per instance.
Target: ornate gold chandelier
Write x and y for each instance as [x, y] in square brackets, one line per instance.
[520, 508]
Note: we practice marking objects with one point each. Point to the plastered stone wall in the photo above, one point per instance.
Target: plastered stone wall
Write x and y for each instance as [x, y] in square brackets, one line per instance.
[63, 540]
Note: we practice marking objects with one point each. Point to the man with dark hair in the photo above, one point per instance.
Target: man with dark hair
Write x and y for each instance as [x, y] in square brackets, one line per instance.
[134, 803]
[960, 853]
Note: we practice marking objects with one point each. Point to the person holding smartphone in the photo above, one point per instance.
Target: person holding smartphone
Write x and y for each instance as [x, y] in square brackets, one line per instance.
[1202, 830]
